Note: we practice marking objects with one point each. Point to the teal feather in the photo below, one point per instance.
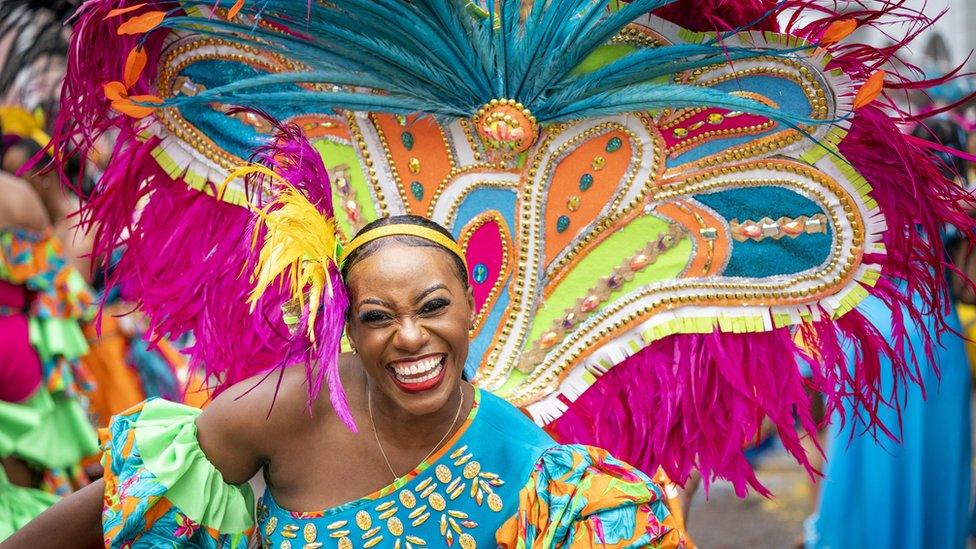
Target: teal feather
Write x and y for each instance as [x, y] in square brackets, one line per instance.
[436, 57]
[651, 63]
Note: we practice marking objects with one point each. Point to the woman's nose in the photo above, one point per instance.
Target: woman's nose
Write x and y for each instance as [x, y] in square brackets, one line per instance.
[411, 336]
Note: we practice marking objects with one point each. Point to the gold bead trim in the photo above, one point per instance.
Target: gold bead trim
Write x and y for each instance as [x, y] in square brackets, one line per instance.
[540, 381]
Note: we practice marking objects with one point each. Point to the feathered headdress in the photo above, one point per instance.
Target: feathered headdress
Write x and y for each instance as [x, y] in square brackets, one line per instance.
[295, 246]
[650, 215]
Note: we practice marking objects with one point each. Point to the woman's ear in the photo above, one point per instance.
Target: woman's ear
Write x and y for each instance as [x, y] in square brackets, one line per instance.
[348, 338]
[469, 295]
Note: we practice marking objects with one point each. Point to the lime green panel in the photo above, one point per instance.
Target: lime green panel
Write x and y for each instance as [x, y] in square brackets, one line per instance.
[335, 154]
[515, 378]
[603, 56]
[614, 251]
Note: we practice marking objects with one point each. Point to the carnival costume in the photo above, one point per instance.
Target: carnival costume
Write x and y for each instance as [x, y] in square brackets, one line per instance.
[126, 364]
[43, 421]
[44, 425]
[656, 222]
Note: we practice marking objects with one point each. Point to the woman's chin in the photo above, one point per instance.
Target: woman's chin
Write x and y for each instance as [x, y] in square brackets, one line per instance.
[425, 397]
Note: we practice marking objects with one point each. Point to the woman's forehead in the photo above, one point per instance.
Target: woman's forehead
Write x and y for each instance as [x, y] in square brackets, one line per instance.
[401, 269]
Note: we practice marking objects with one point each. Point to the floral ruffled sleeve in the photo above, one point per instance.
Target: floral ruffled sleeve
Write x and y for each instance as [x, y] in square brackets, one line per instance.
[580, 496]
[62, 300]
[160, 489]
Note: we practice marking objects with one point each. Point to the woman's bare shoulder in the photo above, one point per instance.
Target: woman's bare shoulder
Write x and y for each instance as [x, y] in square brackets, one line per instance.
[276, 404]
[261, 403]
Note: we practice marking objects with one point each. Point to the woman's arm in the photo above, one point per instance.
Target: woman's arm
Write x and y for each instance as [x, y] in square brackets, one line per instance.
[230, 432]
[75, 521]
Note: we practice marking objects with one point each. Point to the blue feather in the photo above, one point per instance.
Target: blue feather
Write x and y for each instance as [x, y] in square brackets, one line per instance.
[438, 57]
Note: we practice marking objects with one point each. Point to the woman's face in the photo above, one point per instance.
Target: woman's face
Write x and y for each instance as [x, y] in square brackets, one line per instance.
[409, 321]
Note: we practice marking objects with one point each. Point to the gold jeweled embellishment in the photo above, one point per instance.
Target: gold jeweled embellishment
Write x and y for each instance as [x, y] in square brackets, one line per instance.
[269, 528]
[314, 545]
[395, 526]
[309, 532]
[431, 498]
[407, 499]
[428, 491]
[285, 545]
[413, 165]
[471, 470]
[442, 473]
[467, 541]
[437, 502]
[289, 531]
[494, 502]
[363, 520]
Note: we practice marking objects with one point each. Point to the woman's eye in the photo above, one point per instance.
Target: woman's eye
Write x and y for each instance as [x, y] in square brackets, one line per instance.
[434, 306]
[373, 317]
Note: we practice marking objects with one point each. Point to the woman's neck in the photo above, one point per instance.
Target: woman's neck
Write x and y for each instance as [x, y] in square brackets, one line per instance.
[401, 430]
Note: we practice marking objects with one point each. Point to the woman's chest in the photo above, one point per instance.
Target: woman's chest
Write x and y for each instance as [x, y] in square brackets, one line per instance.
[460, 500]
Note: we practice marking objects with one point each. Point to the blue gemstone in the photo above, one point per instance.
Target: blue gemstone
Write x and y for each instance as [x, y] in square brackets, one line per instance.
[480, 274]
[417, 188]
[614, 144]
[562, 224]
[407, 139]
[586, 181]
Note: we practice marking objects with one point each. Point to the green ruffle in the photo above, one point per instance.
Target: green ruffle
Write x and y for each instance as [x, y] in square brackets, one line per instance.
[18, 506]
[57, 337]
[63, 437]
[166, 436]
[17, 419]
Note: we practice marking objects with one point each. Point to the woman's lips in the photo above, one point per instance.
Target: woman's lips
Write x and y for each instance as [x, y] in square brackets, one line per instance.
[418, 375]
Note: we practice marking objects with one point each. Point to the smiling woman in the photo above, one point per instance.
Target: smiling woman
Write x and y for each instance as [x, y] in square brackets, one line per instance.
[442, 462]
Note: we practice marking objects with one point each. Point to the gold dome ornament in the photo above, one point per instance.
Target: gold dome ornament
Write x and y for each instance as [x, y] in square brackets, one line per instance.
[506, 126]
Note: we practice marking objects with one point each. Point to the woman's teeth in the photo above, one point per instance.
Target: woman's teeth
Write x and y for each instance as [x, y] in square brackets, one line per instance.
[417, 372]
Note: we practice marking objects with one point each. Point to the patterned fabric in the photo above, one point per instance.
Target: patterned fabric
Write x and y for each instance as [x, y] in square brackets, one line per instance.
[56, 300]
[580, 496]
[61, 299]
[37, 260]
[139, 510]
[461, 495]
[473, 492]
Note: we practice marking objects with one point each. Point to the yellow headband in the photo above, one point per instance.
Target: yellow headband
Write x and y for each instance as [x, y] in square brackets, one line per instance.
[403, 229]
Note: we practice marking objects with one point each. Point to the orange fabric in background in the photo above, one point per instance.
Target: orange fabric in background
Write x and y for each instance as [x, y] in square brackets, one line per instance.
[196, 393]
[117, 385]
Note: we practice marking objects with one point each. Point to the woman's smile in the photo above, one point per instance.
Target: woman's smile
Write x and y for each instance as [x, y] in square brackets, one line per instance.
[418, 374]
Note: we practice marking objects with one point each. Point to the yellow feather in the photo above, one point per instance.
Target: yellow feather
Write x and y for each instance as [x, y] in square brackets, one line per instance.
[298, 246]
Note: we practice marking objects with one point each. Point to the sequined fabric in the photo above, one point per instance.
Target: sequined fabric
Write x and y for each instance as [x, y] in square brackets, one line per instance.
[499, 482]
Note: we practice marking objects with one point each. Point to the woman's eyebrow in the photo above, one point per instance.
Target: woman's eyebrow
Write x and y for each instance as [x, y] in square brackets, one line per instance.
[375, 301]
[428, 291]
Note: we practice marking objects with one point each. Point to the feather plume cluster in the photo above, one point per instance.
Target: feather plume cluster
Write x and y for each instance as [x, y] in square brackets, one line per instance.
[444, 58]
[299, 244]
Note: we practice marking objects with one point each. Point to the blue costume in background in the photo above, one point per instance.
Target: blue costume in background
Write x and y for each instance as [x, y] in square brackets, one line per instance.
[881, 493]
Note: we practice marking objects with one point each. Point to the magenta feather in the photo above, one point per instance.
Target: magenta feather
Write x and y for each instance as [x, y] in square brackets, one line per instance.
[291, 156]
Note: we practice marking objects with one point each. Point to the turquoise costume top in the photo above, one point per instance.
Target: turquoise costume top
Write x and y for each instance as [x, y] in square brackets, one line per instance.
[500, 481]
